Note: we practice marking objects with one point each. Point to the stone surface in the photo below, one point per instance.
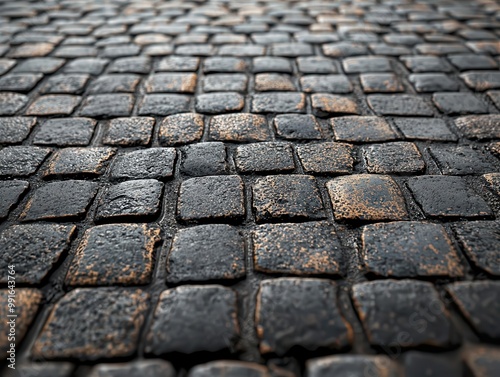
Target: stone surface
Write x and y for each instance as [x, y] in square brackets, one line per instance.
[75, 162]
[21, 160]
[425, 364]
[355, 365]
[83, 314]
[10, 193]
[459, 103]
[298, 249]
[324, 104]
[424, 129]
[181, 129]
[326, 158]
[479, 303]
[461, 160]
[204, 159]
[482, 361]
[11, 102]
[411, 305]
[206, 252]
[281, 197]
[229, 369]
[60, 200]
[409, 249]
[212, 198]
[366, 197]
[279, 102]
[192, 319]
[402, 105]
[34, 249]
[27, 302]
[129, 132]
[290, 126]
[480, 240]
[65, 132]
[130, 200]
[54, 104]
[393, 158]
[107, 105]
[362, 129]
[480, 127]
[115, 254]
[293, 312]
[441, 196]
[264, 157]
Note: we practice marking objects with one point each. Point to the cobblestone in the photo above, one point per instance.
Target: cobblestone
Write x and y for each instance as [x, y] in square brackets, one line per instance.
[305, 150]
[316, 321]
[191, 319]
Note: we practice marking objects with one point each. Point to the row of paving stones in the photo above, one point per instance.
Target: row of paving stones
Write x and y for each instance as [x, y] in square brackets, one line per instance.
[262, 82]
[122, 104]
[480, 361]
[185, 128]
[99, 323]
[124, 254]
[360, 197]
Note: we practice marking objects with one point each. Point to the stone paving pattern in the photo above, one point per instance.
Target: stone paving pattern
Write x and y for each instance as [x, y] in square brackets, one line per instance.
[275, 188]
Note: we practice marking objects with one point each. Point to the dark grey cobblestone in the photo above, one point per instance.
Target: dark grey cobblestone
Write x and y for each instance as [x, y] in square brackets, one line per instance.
[256, 145]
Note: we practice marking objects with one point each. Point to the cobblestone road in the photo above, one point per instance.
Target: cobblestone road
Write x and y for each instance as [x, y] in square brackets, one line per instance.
[251, 189]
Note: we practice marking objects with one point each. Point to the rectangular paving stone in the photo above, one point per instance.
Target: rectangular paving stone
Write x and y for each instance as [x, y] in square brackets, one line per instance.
[426, 64]
[279, 102]
[343, 49]
[398, 157]
[297, 249]
[291, 126]
[366, 64]
[316, 323]
[151, 163]
[93, 66]
[130, 200]
[60, 200]
[107, 105]
[27, 302]
[424, 129]
[114, 254]
[447, 196]
[366, 197]
[206, 253]
[325, 83]
[40, 65]
[406, 302]
[324, 104]
[267, 82]
[65, 132]
[10, 193]
[479, 302]
[223, 64]
[482, 361]
[10, 102]
[282, 197]
[54, 104]
[178, 64]
[264, 157]
[316, 65]
[219, 103]
[459, 103]
[192, 319]
[461, 160]
[466, 62]
[129, 132]
[21, 161]
[19, 82]
[14, 130]
[171, 82]
[326, 158]
[222, 82]
[150, 368]
[242, 127]
[66, 84]
[181, 129]
[409, 249]
[271, 64]
[29, 50]
[98, 323]
[479, 127]
[45, 369]
[402, 104]
[212, 198]
[481, 242]
[433, 82]
[356, 365]
[164, 104]
[34, 249]
[418, 363]
[380, 83]
[73, 162]
[362, 129]
[114, 83]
